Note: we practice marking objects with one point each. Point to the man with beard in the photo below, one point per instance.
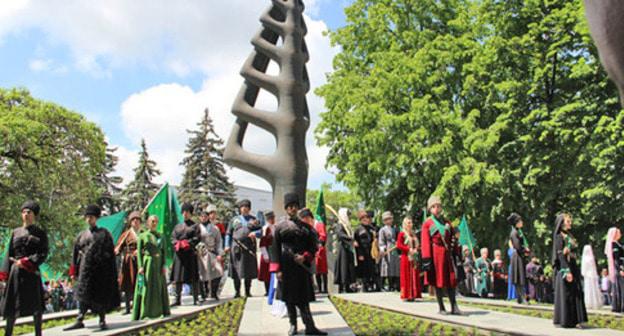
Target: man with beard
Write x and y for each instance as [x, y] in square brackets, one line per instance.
[127, 247]
[93, 264]
[27, 250]
[185, 237]
[241, 241]
[364, 235]
[294, 248]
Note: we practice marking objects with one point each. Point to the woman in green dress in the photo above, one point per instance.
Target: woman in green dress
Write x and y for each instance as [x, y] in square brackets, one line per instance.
[150, 296]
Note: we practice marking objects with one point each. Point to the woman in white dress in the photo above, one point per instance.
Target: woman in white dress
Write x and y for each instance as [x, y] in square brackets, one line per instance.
[591, 282]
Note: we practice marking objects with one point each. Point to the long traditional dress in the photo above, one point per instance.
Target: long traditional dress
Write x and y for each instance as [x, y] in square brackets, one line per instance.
[511, 289]
[483, 276]
[365, 270]
[127, 246]
[151, 299]
[591, 282]
[410, 268]
[391, 260]
[265, 244]
[94, 264]
[569, 304]
[23, 294]
[344, 267]
[499, 282]
[439, 247]
[617, 303]
[467, 287]
[321, 254]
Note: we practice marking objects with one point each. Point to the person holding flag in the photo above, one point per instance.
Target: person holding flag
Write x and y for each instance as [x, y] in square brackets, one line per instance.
[321, 254]
[439, 249]
[151, 299]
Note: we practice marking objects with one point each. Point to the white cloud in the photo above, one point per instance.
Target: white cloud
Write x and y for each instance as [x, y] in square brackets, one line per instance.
[209, 37]
[46, 65]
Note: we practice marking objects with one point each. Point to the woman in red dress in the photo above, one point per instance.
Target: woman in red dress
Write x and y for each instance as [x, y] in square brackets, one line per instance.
[321, 257]
[407, 243]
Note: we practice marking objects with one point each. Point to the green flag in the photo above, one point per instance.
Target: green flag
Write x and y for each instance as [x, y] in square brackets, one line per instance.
[114, 224]
[165, 205]
[319, 211]
[466, 238]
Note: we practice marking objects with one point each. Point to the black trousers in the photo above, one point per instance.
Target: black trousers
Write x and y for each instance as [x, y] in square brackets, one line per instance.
[237, 285]
[306, 315]
[10, 323]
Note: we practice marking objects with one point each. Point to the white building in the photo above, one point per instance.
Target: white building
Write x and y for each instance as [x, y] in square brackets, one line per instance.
[261, 200]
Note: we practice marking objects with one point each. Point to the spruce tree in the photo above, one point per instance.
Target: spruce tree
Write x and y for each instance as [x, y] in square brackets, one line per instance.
[204, 180]
[109, 185]
[139, 192]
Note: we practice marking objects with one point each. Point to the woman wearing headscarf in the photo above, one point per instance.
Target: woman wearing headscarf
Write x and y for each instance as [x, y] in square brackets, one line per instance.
[591, 288]
[408, 244]
[520, 246]
[569, 304]
[151, 299]
[615, 257]
[344, 268]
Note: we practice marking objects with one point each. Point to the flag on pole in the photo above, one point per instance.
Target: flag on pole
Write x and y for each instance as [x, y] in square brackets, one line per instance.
[319, 211]
[114, 224]
[166, 206]
[466, 238]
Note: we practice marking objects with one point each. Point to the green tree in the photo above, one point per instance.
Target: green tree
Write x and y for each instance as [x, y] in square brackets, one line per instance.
[140, 191]
[205, 181]
[497, 106]
[109, 184]
[49, 154]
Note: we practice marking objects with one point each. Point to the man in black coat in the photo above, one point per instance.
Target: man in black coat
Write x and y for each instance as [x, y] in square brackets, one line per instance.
[95, 267]
[185, 237]
[293, 250]
[27, 250]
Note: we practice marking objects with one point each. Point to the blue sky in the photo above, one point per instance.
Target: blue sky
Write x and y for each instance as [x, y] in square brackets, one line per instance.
[147, 70]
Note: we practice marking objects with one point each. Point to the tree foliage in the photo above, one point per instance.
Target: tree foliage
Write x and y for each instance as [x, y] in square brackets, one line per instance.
[497, 106]
[49, 154]
[205, 181]
[110, 190]
[140, 191]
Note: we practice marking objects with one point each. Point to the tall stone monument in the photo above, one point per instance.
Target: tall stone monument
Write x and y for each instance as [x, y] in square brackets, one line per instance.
[286, 169]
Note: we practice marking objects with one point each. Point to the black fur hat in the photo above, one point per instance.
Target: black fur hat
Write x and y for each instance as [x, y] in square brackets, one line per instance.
[93, 210]
[513, 219]
[291, 198]
[187, 207]
[32, 206]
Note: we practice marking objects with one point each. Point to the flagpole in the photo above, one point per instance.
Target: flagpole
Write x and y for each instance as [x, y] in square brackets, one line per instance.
[152, 200]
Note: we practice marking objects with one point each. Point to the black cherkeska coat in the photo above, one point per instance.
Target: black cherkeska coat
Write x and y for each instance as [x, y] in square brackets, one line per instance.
[24, 290]
[94, 257]
[518, 267]
[364, 236]
[344, 267]
[569, 299]
[292, 236]
[185, 267]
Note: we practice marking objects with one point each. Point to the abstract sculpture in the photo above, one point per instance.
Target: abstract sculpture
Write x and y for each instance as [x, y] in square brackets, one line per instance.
[287, 169]
[606, 23]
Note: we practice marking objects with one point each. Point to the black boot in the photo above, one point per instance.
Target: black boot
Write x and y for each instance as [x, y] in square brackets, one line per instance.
[195, 289]
[292, 318]
[440, 299]
[214, 288]
[38, 321]
[324, 276]
[306, 316]
[178, 295]
[79, 319]
[127, 297]
[8, 328]
[454, 307]
[103, 325]
[237, 286]
[247, 287]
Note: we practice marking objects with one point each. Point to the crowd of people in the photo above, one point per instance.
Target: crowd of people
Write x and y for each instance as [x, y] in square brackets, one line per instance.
[292, 264]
